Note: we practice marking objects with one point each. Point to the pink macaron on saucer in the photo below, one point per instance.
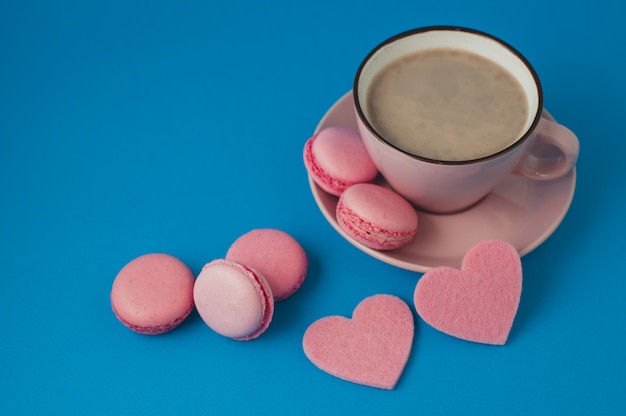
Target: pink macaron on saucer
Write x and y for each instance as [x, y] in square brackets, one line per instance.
[376, 217]
[519, 211]
[336, 159]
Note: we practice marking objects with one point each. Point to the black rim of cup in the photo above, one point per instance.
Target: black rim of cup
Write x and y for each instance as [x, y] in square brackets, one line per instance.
[517, 143]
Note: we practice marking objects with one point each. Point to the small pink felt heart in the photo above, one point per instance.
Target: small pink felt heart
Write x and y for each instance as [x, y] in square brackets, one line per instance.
[477, 303]
[371, 349]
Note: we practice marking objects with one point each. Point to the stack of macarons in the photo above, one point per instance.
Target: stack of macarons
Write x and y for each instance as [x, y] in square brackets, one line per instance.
[234, 296]
[370, 214]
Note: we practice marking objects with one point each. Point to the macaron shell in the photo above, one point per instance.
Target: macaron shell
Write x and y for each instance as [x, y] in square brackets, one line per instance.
[276, 255]
[153, 293]
[376, 216]
[336, 158]
[233, 299]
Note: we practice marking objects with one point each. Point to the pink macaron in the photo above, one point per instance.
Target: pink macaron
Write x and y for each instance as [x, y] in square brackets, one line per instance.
[233, 299]
[376, 217]
[153, 293]
[276, 255]
[336, 158]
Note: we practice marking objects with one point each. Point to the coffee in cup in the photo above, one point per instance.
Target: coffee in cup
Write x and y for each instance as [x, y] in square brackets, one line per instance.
[447, 113]
[447, 104]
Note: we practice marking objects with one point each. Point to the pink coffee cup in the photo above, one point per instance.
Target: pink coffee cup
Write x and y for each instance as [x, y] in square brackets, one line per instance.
[544, 150]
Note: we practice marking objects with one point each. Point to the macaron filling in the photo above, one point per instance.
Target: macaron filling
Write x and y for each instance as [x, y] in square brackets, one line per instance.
[267, 305]
[154, 329]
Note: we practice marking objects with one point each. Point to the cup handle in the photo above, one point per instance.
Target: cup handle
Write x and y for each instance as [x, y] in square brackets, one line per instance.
[553, 153]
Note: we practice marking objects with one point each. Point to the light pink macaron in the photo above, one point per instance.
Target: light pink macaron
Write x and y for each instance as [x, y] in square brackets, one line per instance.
[336, 158]
[153, 293]
[376, 217]
[276, 255]
[233, 299]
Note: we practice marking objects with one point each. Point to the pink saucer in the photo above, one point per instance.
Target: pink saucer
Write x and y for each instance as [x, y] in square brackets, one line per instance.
[519, 211]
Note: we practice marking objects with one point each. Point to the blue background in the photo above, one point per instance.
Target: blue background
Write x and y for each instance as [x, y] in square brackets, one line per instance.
[136, 127]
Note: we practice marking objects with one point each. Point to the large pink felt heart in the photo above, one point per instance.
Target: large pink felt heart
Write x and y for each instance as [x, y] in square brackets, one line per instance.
[477, 303]
[372, 348]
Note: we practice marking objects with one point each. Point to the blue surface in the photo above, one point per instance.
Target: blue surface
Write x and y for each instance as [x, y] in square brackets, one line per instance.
[128, 128]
